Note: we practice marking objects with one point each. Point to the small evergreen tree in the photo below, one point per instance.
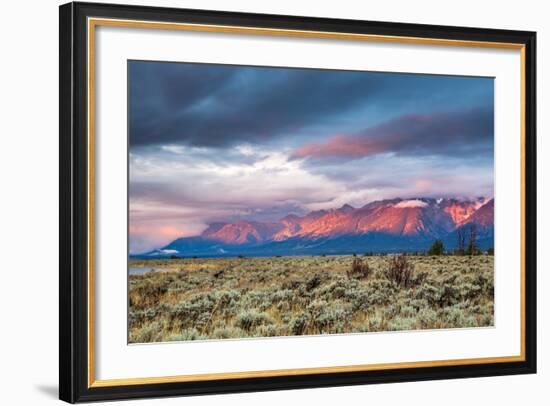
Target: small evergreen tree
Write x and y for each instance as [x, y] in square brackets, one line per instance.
[472, 248]
[461, 241]
[437, 248]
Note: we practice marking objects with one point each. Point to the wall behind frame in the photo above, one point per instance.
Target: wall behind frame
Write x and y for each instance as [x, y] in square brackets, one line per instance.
[28, 207]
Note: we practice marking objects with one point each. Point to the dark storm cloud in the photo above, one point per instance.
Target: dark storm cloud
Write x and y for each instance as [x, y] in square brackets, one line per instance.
[215, 143]
[219, 105]
[456, 134]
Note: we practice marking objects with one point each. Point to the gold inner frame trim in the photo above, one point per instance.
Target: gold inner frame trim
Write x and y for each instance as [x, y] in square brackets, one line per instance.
[94, 22]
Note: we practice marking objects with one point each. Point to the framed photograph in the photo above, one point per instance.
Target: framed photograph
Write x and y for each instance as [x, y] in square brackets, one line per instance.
[258, 202]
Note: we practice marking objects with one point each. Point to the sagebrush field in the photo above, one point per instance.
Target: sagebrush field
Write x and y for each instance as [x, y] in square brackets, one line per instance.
[194, 299]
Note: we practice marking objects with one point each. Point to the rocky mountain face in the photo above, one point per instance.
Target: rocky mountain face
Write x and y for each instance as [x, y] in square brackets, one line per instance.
[391, 225]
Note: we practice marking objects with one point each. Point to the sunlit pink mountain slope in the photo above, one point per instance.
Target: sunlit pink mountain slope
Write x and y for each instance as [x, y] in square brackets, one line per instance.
[385, 225]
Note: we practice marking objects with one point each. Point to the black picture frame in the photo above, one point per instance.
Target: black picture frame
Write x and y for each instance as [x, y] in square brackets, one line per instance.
[74, 199]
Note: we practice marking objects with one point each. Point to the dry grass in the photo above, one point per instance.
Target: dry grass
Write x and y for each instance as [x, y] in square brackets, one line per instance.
[190, 299]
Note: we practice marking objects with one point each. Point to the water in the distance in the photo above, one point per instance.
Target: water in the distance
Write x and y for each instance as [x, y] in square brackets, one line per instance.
[140, 271]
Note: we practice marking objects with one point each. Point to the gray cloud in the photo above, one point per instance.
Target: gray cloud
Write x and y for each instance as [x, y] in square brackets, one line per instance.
[463, 133]
[220, 143]
[219, 105]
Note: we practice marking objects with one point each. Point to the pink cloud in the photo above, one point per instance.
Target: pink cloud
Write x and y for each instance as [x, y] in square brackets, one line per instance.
[164, 231]
[341, 146]
[144, 237]
[423, 185]
[436, 133]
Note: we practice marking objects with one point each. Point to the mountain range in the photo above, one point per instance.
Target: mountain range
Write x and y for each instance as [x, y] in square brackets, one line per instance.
[392, 225]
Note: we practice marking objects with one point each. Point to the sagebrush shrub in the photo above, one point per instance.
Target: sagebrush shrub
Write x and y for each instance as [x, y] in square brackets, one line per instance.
[400, 324]
[148, 292]
[267, 331]
[313, 282]
[250, 319]
[138, 317]
[190, 334]
[227, 332]
[400, 270]
[331, 320]
[264, 297]
[148, 333]
[291, 284]
[299, 324]
[359, 269]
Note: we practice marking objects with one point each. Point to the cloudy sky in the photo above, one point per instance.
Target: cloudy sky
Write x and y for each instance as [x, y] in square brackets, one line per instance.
[221, 143]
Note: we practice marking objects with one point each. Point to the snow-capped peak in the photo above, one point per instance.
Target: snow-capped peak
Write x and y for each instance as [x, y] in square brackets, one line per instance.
[410, 203]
